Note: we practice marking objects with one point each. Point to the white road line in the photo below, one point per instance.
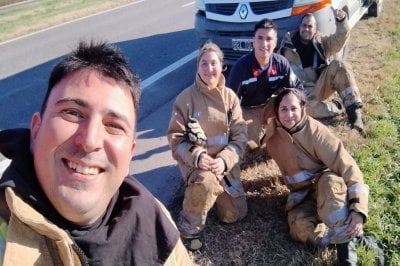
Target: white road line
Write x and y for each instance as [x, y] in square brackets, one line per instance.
[150, 80]
[188, 4]
[4, 164]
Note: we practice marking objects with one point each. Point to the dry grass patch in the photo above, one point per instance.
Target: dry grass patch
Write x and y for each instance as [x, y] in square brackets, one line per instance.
[262, 237]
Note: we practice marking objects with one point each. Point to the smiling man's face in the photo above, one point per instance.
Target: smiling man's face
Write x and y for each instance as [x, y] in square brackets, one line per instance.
[307, 29]
[264, 43]
[83, 144]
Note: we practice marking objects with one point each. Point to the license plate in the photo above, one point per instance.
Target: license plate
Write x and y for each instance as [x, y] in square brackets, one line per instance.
[242, 44]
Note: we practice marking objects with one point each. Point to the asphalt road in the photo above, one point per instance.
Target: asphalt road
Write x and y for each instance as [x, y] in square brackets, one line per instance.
[158, 39]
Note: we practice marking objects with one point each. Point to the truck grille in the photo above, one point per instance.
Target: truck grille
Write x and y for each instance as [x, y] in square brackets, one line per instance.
[222, 9]
[258, 8]
[235, 33]
[232, 56]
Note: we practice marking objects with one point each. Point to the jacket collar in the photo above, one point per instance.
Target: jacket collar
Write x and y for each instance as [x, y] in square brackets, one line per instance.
[274, 122]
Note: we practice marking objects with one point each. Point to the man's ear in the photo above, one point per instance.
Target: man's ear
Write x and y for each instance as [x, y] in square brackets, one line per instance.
[35, 125]
[133, 148]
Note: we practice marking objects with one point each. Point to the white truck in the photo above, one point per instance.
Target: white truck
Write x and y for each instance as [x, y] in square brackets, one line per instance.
[230, 24]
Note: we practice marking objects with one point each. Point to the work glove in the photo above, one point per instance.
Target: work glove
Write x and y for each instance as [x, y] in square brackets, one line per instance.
[194, 133]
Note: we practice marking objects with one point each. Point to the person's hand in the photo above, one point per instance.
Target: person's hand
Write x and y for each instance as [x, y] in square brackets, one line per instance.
[205, 161]
[217, 166]
[354, 224]
[339, 14]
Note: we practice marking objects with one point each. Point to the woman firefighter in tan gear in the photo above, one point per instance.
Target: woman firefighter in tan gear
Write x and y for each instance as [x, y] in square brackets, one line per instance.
[207, 135]
[328, 200]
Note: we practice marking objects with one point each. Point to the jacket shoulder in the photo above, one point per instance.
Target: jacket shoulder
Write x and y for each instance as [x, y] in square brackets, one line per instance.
[320, 133]
[186, 94]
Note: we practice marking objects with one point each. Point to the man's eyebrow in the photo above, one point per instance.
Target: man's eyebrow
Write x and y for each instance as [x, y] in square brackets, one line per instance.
[79, 102]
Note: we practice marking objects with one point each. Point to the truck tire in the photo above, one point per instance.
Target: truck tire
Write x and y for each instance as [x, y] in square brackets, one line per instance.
[375, 9]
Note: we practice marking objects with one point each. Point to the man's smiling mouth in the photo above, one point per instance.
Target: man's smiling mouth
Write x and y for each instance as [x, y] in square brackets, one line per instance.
[85, 170]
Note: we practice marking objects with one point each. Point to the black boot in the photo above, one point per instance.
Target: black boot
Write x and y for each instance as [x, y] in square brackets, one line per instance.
[354, 114]
[192, 243]
[370, 243]
[346, 253]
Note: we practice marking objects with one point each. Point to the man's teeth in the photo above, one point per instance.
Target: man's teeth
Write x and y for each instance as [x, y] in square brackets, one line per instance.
[83, 169]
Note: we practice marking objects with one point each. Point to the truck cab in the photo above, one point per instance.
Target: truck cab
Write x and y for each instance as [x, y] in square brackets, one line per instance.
[230, 24]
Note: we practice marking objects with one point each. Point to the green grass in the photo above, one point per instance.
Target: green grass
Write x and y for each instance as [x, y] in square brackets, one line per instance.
[18, 20]
[379, 160]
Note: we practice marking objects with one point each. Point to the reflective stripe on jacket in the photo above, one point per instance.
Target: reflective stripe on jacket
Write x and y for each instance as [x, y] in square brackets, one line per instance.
[313, 148]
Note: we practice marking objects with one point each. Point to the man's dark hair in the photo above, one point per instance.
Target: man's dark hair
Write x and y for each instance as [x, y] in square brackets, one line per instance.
[265, 23]
[100, 56]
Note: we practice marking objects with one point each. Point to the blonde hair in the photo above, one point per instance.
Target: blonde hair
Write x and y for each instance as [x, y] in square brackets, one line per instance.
[209, 46]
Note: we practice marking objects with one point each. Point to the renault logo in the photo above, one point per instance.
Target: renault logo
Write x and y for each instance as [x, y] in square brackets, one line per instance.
[243, 11]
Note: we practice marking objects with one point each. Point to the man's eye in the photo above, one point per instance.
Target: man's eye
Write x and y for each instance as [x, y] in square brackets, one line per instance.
[115, 128]
[71, 115]
[112, 125]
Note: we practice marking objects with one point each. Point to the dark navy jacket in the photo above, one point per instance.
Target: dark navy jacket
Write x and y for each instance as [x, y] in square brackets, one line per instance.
[255, 85]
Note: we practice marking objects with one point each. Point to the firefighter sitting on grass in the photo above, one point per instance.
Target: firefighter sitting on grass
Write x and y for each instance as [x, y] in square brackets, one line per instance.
[328, 200]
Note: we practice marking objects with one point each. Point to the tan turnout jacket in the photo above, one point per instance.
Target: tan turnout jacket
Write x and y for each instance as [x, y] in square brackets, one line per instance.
[220, 116]
[326, 47]
[31, 238]
[308, 151]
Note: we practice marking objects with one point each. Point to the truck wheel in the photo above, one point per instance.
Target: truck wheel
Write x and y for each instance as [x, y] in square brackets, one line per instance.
[376, 8]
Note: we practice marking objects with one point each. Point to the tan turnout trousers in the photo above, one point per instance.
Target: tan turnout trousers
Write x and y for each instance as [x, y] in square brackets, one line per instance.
[337, 78]
[202, 192]
[319, 219]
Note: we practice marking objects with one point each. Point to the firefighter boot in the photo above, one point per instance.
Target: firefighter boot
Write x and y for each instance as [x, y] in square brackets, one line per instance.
[192, 243]
[370, 243]
[354, 114]
[346, 253]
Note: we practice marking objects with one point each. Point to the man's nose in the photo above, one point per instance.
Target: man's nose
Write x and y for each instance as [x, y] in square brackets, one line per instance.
[89, 136]
[264, 41]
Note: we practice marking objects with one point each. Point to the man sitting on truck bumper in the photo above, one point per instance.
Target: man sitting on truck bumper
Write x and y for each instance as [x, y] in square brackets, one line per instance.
[310, 55]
